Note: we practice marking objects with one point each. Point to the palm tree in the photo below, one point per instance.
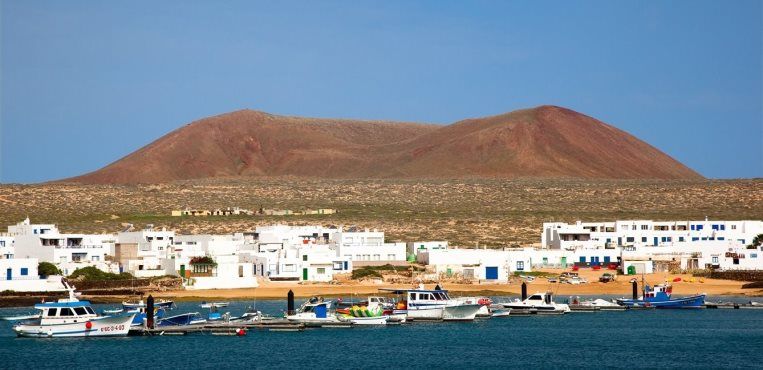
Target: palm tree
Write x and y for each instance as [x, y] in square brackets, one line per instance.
[756, 242]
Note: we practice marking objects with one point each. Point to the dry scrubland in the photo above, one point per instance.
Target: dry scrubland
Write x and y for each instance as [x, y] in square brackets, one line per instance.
[465, 212]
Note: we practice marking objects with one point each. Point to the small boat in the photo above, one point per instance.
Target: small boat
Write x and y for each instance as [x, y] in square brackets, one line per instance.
[214, 304]
[165, 304]
[485, 302]
[113, 311]
[501, 313]
[373, 320]
[70, 317]
[314, 311]
[191, 318]
[538, 303]
[20, 317]
[659, 296]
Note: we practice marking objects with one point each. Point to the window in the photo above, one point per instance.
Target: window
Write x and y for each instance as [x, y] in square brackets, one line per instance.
[520, 265]
[643, 239]
[721, 238]
[52, 312]
[96, 258]
[723, 227]
[715, 259]
[66, 311]
[733, 227]
[753, 255]
[80, 311]
[304, 257]
[694, 238]
[337, 265]
[699, 227]
[390, 257]
[630, 239]
[321, 270]
[644, 227]
[289, 268]
[582, 259]
[90, 310]
[377, 257]
[535, 297]
[681, 239]
[24, 271]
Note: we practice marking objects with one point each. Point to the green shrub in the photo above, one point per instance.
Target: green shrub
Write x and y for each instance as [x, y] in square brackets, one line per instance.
[92, 273]
[365, 273]
[47, 269]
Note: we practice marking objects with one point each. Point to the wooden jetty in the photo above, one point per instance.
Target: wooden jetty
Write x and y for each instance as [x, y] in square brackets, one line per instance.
[224, 328]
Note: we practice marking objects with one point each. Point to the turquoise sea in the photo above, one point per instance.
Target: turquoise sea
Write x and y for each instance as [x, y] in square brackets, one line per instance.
[708, 339]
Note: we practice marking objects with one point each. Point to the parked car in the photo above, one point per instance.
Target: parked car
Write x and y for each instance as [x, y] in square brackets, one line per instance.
[576, 280]
[553, 279]
[566, 275]
[607, 277]
[527, 278]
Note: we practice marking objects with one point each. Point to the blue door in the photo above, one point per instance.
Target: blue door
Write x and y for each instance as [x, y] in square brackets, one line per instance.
[606, 259]
[345, 265]
[8, 274]
[491, 273]
[655, 241]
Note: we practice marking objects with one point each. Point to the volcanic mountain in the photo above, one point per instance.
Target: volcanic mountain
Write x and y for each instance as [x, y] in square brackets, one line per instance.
[542, 142]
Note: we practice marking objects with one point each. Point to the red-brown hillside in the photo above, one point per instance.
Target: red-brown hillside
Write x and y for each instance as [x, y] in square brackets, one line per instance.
[542, 142]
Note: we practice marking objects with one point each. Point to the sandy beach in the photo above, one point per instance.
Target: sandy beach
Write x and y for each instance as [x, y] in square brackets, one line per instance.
[622, 287]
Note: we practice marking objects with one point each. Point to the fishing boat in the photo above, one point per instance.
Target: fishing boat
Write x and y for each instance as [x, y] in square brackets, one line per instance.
[436, 304]
[314, 311]
[659, 296]
[70, 317]
[540, 303]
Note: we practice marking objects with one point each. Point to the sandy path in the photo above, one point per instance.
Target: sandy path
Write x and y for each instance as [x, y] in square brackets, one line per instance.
[621, 287]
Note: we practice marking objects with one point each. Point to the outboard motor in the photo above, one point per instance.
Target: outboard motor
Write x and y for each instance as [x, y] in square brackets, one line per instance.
[548, 298]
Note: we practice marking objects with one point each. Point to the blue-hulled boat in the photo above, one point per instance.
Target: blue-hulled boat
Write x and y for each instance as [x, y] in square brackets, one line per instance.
[659, 296]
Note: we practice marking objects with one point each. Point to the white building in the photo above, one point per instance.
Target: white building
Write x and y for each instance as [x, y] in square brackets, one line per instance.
[20, 275]
[557, 235]
[478, 264]
[142, 253]
[68, 251]
[414, 248]
[368, 247]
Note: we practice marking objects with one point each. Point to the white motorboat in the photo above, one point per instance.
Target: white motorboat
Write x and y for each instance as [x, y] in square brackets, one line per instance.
[214, 304]
[372, 320]
[422, 304]
[70, 317]
[541, 303]
[485, 302]
[314, 311]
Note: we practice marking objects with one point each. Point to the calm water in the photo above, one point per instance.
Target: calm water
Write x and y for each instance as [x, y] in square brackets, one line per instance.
[634, 339]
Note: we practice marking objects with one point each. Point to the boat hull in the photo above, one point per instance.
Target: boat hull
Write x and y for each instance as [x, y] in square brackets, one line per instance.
[425, 313]
[696, 301]
[107, 326]
[464, 312]
[377, 320]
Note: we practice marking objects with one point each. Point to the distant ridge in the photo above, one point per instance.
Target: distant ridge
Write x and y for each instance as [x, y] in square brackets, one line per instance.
[542, 142]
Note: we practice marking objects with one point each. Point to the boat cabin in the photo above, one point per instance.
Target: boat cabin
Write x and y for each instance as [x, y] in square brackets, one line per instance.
[65, 312]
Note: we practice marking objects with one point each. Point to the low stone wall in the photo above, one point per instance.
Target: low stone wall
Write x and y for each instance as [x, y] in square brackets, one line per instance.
[739, 275]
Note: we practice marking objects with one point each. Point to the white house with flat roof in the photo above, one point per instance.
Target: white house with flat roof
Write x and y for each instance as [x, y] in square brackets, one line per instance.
[367, 247]
[414, 248]
[477, 264]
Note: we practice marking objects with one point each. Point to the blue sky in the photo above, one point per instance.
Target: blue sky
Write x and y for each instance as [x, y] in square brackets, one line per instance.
[87, 82]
